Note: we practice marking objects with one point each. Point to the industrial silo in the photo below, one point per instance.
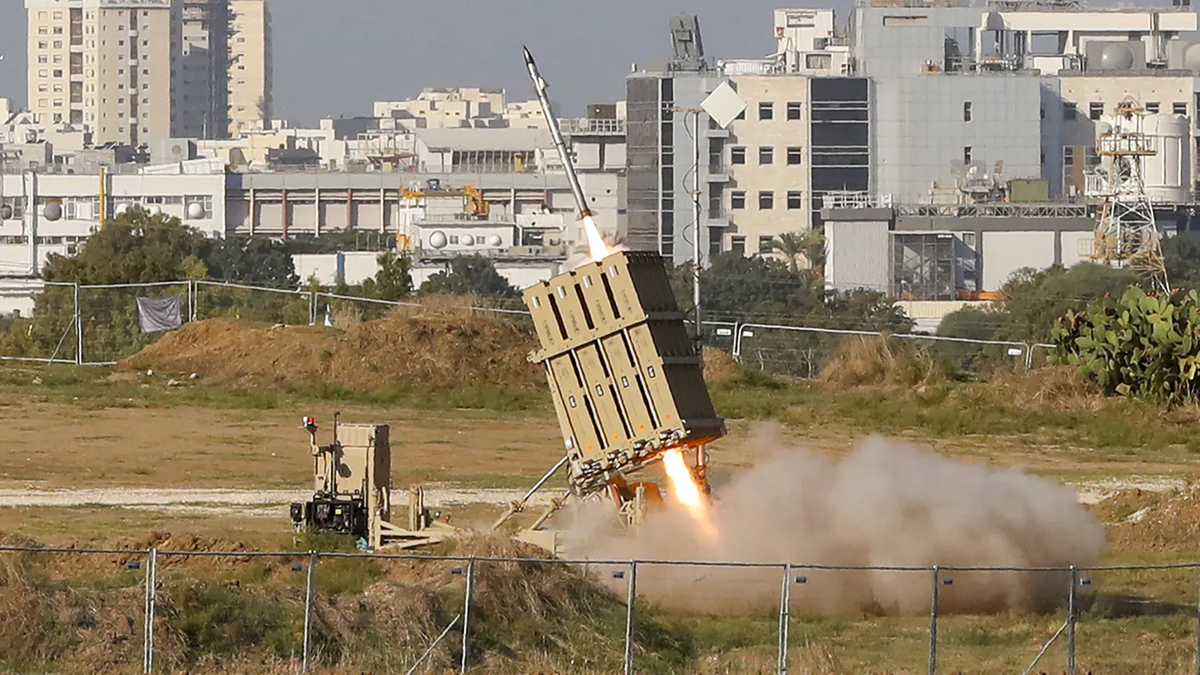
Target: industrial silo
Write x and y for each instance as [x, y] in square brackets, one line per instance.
[1168, 173]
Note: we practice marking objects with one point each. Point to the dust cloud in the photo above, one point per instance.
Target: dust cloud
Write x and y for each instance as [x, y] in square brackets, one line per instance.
[883, 504]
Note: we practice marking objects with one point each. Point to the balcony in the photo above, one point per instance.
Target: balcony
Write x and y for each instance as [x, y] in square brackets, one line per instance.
[717, 173]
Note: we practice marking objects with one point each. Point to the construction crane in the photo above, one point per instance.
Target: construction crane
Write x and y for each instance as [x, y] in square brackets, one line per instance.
[474, 207]
[1126, 232]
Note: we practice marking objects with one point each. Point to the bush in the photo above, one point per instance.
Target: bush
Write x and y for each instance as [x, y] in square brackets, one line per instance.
[1137, 345]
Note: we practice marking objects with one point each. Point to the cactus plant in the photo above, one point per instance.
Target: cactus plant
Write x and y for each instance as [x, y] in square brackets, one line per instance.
[1140, 344]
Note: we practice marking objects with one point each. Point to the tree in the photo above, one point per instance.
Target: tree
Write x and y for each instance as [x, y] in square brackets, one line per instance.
[394, 280]
[796, 246]
[470, 275]
[973, 323]
[1181, 256]
[1034, 300]
[253, 260]
[133, 248]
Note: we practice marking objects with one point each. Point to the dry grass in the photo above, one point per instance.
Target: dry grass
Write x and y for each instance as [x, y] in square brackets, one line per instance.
[1060, 387]
[440, 346]
[879, 362]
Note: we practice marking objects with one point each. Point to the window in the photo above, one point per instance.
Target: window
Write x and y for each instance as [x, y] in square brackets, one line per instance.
[737, 155]
[766, 200]
[1068, 156]
[795, 155]
[58, 44]
[43, 73]
[1095, 110]
[766, 110]
[58, 58]
[1091, 156]
[967, 155]
[1179, 108]
[766, 155]
[967, 111]
[42, 30]
[43, 103]
[1152, 107]
[43, 88]
[764, 244]
[795, 200]
[737, 244]
[42, 59]
[1069, 111]
[42, 44]
[793, 110]
[737, 199]
[818, 61]
[57, 72]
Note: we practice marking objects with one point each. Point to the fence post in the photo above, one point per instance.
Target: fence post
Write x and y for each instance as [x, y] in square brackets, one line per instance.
[191, 299]
[466, 639]
[785, 616]
[933, 618]
[78, 330]
[312, 308]
[1072, 610]
[1198, 635]
[630, 617]
[309, 592]
[150, 606]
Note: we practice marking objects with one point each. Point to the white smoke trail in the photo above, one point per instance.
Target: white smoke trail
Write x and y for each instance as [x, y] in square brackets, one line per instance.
[882, 505]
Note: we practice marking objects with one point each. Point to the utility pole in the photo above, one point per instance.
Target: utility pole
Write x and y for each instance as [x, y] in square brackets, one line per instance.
[697, 213]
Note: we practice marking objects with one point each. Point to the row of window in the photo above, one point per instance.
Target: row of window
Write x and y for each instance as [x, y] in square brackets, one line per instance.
[766, 110]
[766, 155]
[737, 244]
[1096, 109]
[766, 200]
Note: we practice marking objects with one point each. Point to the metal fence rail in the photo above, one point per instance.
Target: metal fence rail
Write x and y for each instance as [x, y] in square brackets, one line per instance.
[941, 580]
[97, 325]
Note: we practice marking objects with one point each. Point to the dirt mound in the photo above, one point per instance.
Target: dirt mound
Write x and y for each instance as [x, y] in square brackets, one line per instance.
[719, 366]
[427, 347]
[1139, 520]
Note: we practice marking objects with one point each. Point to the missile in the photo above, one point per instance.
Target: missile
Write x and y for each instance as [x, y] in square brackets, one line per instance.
[539, 85]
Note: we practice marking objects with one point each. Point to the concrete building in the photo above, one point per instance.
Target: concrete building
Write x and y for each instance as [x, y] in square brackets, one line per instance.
[249, 74]
[447, 108]
[200, 95]
[803, 134]
[105, 64]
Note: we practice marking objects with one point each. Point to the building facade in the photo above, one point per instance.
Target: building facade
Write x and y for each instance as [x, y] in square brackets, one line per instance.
[105, 64]
[250, 68]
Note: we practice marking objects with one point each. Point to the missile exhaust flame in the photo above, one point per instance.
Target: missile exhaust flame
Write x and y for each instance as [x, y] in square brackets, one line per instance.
[687, 491]
[596, 246]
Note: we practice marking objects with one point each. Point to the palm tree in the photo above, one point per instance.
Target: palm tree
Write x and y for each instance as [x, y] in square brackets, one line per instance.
[794, 246]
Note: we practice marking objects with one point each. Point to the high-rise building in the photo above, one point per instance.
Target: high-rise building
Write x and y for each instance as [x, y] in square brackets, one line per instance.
[200, 95]
[249, 70]
[105, 64]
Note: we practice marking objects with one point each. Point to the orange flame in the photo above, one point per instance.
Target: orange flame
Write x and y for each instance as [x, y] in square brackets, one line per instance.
[596, 245]
[687, 492]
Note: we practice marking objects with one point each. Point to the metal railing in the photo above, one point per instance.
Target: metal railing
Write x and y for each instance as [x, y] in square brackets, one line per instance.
[941, 580]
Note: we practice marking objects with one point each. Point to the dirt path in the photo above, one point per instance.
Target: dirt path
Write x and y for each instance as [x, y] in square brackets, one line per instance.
[229, 499]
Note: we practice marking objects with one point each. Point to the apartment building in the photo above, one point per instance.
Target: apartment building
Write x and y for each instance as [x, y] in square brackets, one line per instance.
[105, 64]
[137, 70]
[250, 66]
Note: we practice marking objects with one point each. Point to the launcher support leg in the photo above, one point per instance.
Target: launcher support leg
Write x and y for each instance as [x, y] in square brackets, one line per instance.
[519, 505]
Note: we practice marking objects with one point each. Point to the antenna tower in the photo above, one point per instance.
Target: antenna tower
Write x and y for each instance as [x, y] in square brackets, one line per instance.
[1126, 233]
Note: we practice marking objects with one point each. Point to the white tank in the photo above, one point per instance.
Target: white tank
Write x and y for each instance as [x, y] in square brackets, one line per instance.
[1168, 172]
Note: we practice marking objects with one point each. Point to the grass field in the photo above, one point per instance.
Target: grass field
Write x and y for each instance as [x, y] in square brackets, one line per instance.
[70, 428]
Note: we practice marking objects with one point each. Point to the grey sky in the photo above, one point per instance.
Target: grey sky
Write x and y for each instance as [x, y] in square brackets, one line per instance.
[334, 57]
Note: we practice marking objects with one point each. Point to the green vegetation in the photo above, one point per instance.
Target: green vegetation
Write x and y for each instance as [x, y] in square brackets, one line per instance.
[470, 275]
[1136, 345]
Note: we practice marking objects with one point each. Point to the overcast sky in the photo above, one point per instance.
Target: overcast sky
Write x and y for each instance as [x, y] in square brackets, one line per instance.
[334, 57]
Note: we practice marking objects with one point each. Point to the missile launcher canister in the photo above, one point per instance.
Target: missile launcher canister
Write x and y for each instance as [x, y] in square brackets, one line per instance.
[625, 376]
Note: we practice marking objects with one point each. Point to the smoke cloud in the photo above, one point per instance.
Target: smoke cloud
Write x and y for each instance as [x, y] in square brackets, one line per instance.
[884, 504]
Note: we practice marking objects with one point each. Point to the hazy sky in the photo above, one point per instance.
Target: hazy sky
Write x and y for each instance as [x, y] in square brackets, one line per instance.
[334, 57]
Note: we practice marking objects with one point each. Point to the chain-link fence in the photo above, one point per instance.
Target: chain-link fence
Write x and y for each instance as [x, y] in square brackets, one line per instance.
[98, 325]
[415, 613]
[803, 351]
